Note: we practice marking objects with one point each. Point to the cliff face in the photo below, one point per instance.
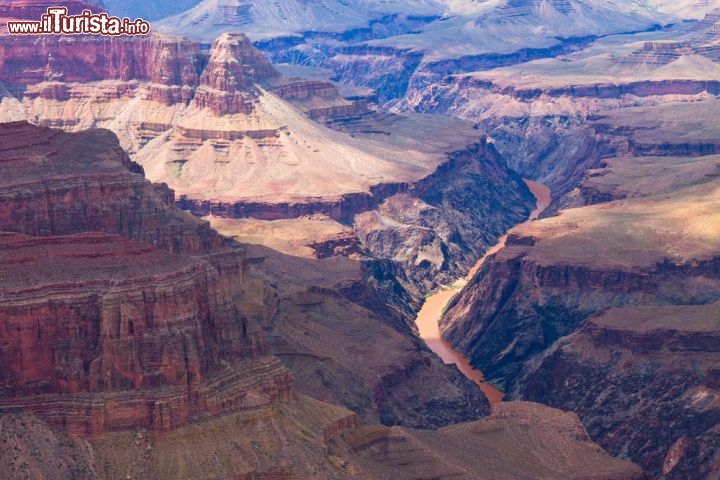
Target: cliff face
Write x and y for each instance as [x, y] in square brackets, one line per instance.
[135, 341]
[163, 69]
[169, 62]
[156, 319]
[609, 310]
[644, 379]
[55, 183]
[341, 337]
[426, 229]
[525, 305]
[101, 332]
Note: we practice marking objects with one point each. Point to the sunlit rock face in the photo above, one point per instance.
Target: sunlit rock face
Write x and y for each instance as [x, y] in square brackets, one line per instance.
[233, 139]
[609, 309]
[106, 328]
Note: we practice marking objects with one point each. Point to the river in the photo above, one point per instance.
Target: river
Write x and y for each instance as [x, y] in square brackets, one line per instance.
[429, 316]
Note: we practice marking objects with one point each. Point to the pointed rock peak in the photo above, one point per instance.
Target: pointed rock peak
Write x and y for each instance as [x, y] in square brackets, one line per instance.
[235, 64]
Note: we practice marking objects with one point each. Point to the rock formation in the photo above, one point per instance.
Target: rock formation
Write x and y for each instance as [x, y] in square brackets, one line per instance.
[58, 184]
[644, 379]
[206, 122]
[102, 332]
[233, 69]
[609, 310]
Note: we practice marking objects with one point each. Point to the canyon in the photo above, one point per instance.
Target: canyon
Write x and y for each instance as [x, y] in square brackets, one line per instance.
[331, 203]
[119, 82]
[131, 343]
[619, 286]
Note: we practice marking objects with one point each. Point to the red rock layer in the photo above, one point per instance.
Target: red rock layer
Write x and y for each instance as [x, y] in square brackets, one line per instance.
[104, 331]
[301, 89]
[165, 61]
[57, 183]
[101, 333]
[176, 70]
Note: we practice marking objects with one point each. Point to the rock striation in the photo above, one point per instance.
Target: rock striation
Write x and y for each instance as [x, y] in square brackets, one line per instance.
[108, 327]
[609, 310]
[228, 80]
[54, 183]
[645, 380]
[168, 63]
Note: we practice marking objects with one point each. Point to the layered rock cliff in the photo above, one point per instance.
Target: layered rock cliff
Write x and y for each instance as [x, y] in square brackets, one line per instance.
[644, 379]
[608, 310]
[102, 332]
[166, 62]
[58, 184]
[228, 80]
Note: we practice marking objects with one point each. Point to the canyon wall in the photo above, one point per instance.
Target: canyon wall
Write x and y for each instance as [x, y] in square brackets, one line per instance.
[108, 327]
[608, 310]
[644, 379]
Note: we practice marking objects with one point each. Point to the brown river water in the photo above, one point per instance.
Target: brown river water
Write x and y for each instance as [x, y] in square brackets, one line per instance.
[428, 318]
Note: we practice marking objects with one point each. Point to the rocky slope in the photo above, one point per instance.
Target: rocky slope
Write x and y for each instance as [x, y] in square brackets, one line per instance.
[537, 112]
[484, 449]
[291, 442]
[126, 360]
[646, 237]
[645, 380]
[236, 139]
[344, 345]
[105, 334]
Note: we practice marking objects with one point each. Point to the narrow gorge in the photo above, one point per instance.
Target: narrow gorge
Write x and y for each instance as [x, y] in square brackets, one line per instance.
[429, 317]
